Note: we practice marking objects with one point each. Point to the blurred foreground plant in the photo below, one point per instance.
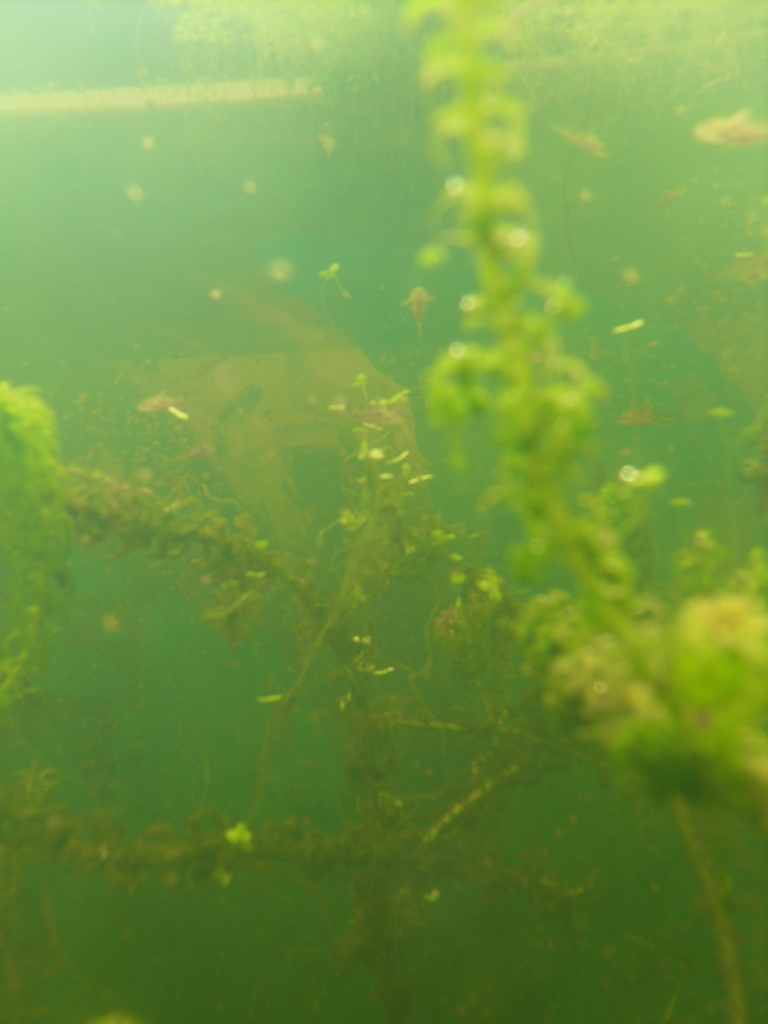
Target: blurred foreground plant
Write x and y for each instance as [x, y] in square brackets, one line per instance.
[35, 534]
[676, 695]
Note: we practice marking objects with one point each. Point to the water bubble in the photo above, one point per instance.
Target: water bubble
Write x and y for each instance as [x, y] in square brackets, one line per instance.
[454, 186]
[629, 474]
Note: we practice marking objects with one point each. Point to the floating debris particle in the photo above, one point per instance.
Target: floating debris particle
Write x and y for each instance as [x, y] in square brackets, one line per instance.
[280, 270]
[643, 416]
[398, 458]
[327, 141]
[735, 131]
[158, 403]
[587, 142]
[671, 195]
[418, 301]
[633, 325]
[200, 451]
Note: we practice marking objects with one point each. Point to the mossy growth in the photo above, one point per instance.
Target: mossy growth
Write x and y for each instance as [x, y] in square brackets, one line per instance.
[35, 534]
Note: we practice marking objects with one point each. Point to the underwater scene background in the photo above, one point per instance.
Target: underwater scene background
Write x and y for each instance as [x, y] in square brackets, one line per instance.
[383, 488]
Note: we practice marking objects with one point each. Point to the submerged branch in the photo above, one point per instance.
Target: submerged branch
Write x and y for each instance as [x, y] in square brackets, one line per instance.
[722, 925]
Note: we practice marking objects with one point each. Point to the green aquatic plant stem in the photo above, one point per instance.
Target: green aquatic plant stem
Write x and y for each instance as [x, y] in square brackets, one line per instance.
[722, 925]
[539, 401]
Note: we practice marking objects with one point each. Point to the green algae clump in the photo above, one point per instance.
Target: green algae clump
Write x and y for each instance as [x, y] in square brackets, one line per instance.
[690, 721]
[35, 533]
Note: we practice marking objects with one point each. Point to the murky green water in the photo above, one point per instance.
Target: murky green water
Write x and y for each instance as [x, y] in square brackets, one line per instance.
[209, 216]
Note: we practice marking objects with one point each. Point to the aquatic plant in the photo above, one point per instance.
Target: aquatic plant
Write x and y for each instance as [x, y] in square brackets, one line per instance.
[35, 534]
[754, 447]
[387, 537]
[670, 693]
[626, 664]
[676, 696]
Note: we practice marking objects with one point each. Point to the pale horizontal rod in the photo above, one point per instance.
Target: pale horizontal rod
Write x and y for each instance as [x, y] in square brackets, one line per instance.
[146, 97]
